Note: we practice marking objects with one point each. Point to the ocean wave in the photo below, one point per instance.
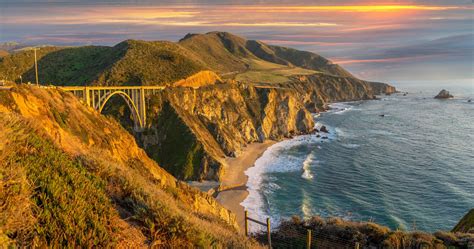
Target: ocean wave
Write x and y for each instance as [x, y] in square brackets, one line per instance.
[306, 166]
[273, 160]
[381, 132]
[339, 108]
[351, 146]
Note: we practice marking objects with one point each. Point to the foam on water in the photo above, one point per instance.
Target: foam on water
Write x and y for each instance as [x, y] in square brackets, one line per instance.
[273, 161]
[339, 108]
[372, 167]
[351, 146]
[306, 166]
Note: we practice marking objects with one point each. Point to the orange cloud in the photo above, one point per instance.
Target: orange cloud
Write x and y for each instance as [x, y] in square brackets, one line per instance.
[289, 42]
[382, 60]
[349, 8]
[277, 24]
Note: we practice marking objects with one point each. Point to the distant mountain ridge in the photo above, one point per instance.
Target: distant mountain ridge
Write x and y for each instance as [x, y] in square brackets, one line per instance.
[134, 62]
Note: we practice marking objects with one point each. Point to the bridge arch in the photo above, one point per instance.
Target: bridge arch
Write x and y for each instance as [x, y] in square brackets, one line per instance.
[131, 105]
[135, 97]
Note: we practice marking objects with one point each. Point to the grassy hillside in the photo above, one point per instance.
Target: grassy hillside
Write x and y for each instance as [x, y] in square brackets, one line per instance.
[71, 177]
[3, 53]
[18, 64]
[339, 233]
[151, 63]
[162, 63]
[309, 60]
[466, 224]
[127, 63]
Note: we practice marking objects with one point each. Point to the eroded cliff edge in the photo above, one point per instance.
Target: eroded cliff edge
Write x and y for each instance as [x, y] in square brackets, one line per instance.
[194, 129]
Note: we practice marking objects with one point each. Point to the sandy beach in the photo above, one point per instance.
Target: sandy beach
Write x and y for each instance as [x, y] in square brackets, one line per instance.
[234, 180]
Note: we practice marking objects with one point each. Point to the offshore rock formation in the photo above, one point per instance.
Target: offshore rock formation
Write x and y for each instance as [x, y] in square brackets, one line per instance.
[444, 94]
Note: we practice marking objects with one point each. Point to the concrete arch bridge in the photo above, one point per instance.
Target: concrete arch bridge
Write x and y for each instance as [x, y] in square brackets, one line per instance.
[97, 96]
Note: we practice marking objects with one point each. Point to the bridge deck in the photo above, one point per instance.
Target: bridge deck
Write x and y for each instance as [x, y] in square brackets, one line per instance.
[80, 88]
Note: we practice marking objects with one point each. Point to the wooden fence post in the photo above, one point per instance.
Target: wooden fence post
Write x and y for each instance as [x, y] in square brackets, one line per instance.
[246, 213]
[269, 234]
[308, 239]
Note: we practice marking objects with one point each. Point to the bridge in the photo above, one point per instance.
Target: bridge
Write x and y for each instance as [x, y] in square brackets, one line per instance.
[97, 96]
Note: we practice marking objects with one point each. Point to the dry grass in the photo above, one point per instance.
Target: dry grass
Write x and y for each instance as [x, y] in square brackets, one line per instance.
[60, 189]
[339, 233]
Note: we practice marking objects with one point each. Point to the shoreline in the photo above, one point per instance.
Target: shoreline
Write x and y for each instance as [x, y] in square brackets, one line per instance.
[233, 190]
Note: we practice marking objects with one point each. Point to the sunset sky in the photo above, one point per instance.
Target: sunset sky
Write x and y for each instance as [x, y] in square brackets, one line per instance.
[376, 40]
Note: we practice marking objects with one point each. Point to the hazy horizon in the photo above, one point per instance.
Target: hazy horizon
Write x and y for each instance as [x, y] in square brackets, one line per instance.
[393, 41]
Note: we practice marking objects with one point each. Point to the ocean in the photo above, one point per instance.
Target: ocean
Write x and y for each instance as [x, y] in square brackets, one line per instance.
[411, 169]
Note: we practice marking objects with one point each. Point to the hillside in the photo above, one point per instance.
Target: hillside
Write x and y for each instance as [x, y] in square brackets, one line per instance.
[466, 224]
[3, 53]
[72, 177]
[127, 63]
[161, 63]
[340, 233]
[244, 91]
[255, 61]
[192, 130]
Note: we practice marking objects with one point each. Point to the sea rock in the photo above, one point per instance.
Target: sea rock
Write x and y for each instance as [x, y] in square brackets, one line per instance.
[324, 129]
[443, 94]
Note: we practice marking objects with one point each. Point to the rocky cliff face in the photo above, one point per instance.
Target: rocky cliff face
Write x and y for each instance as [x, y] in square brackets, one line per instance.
[193, 130]
[83, 180]
[199, 127]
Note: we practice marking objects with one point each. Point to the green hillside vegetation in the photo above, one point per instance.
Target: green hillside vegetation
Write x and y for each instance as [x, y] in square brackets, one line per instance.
[221, 51]
[161, 63]
[19, 63]
[309, 60]
[179, 152]
[151, 63]
[70, 177]
[127, 63]
[466, 224]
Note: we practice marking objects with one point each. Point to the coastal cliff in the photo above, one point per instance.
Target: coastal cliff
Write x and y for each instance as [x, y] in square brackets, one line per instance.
[222, 92]
[70, 176]
[193, 130]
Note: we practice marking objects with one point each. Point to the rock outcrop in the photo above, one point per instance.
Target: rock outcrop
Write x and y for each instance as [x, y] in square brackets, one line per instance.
[466, 224]
[84, 179]
[444, 94]
[223, 92]
[193, 130]
[218, 121]
[197, 80]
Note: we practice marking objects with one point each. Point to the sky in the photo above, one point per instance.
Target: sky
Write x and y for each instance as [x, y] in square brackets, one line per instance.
[397, 40]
